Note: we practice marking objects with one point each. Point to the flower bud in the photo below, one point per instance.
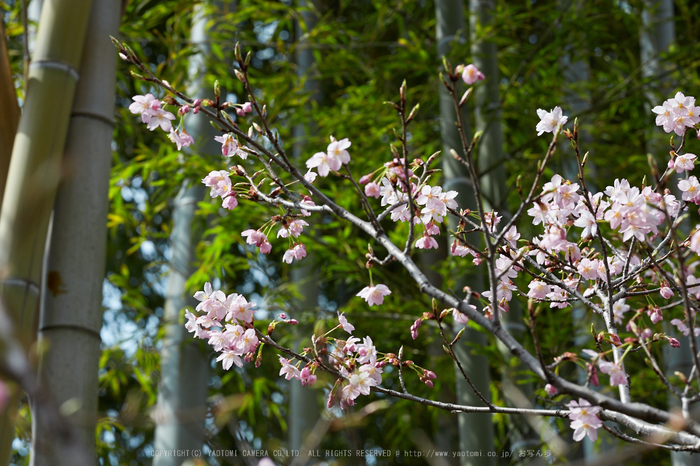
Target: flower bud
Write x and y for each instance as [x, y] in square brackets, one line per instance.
[550, 389]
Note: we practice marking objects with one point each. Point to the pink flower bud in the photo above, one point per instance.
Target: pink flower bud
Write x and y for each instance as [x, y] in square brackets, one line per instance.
[471, 74]
[674, 343]
[430, 375]
[240, 112]
[283, 316]
[122, 56]
[196, 104]
[666, 292]
[248, 107]
[550, 389]
[365, 179]
[429, 383]
[647, 333]
[184, 110]
[292, 321]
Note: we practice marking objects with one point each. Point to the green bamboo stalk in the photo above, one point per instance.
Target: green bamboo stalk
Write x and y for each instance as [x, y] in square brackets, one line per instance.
[71, 316]
[10, 111]
[35, 167]
[475, 432]
[491, 166]
[304, 401]
[182, 390]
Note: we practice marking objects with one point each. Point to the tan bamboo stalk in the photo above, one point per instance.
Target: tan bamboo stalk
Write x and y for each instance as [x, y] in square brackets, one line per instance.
[35, 167]
[71, 311]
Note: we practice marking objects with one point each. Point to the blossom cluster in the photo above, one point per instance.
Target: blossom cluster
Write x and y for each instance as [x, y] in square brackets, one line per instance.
[226, 323]
[677, 114]
[584, 419]
[153, 114]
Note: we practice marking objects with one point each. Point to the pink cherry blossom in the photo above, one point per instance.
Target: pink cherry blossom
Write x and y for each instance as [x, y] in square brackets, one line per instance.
[229, 146]
[426, 242]
[471, 74]
[230, 202]
[298, 252]
[347, 326]
[180, 139]
[538, 290]
[160, 118]
[695, 240]
[229, 358]
[549, 121]
[323, 163]
[211, 301]
[141, 104]
[374, 294]
[684, 162]
[617, 375]
[690, 188]
[238, 308]
[219, 182]
[373, 190]
[680, 325]
[338, 150]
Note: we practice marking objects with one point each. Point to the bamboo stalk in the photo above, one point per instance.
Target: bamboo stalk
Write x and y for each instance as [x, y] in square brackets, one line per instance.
[35, 168]
[71, 315]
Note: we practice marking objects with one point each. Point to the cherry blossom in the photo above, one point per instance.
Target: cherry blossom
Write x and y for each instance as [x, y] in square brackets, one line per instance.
[144, 105]
[230, 147]
[584, 419]
[684, 162]
[549, 121]
[677, 114]
[347, 326]
[374, 294]
[160, 118]
[617, 375]
[471, 74]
